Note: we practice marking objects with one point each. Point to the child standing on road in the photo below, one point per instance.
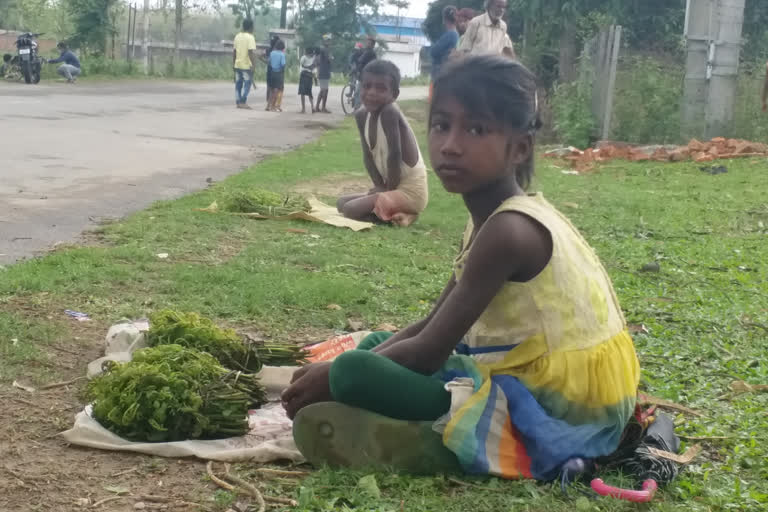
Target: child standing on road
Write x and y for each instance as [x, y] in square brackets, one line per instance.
[324, 61]
[306, 79]
[390, 153]
[525, 359]
[277, 65]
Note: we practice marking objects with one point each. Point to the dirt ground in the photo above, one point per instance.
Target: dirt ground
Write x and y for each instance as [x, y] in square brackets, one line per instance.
[39, 471]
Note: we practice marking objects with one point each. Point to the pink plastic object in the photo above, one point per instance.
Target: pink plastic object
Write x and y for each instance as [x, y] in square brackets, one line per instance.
[644, 496]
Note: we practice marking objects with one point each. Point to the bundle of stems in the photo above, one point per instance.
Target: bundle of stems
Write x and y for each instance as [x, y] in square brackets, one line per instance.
[263, 202]
[172, 393]
[200, 333]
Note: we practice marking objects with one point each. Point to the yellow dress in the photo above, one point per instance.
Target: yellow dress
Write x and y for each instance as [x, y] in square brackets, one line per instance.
[548, 372]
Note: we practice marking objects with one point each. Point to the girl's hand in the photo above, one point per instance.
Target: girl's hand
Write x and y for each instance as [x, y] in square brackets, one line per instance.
[309, 385]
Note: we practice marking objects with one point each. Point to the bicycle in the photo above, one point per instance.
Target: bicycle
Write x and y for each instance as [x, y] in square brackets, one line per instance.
[349, 95]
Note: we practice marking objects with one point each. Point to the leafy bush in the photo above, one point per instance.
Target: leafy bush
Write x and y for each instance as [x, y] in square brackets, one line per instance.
[573, 119]
[748, 118]
[647, 99]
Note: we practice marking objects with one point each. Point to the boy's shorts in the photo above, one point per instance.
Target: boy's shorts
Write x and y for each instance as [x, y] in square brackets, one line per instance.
[324, 83]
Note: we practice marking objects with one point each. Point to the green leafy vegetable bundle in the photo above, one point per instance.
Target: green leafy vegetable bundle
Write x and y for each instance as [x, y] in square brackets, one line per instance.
[172, 393]
[200, 333]
[263, 202]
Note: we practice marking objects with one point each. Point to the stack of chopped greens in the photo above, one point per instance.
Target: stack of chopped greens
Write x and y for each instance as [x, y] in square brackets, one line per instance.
[172, 393]
[200, 333]
[263, 202]
[189, 385]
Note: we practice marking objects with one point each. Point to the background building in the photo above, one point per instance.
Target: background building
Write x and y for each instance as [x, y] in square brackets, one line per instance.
[404, 39]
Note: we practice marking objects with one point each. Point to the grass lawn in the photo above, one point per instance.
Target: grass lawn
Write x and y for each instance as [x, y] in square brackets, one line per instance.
[705, 313]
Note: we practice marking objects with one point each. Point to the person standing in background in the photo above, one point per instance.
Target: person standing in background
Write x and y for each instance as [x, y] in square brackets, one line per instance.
[463, 17]
[445, 45]
[272, 42]
[366, 57]
[487, 33]
[355, 56]
[306, 79]
[324, 60]
[244, 63]
[277, 64]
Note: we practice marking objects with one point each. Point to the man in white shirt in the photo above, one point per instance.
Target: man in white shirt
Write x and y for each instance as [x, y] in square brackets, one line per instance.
[487, 33]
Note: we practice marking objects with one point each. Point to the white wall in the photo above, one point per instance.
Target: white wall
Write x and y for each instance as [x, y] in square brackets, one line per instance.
[409, 63]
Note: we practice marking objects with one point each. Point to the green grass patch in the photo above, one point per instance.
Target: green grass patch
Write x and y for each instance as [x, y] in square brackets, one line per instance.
[23, 340]
[706, 310]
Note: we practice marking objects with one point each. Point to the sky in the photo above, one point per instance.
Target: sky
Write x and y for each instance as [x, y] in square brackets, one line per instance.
[417, 9]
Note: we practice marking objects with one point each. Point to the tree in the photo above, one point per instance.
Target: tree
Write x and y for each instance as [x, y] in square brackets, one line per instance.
[94, 23]
[283, 13]
[343, 19]
[249, 9]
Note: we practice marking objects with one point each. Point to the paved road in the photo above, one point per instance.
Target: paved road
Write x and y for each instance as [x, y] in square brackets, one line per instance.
[71, 156]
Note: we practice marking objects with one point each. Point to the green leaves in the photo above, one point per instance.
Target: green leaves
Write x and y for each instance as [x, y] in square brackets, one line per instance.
[172, 393]
[225, 345]
[369, 486]
[263, 202]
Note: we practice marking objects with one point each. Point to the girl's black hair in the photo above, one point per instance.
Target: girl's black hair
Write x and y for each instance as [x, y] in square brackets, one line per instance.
[280, 45]
[498, 88]
[449, 13]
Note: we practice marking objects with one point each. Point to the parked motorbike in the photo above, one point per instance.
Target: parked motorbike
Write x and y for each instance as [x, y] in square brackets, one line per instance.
[28, 61]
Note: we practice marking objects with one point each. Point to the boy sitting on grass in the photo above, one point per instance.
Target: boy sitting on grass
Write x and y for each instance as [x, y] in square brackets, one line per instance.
[390, 153]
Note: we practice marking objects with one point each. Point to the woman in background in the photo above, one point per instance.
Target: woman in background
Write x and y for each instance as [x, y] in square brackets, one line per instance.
[463, 18]
[443, 47]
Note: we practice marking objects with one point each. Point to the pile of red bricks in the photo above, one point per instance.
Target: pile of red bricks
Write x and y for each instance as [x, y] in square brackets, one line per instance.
[717, 149]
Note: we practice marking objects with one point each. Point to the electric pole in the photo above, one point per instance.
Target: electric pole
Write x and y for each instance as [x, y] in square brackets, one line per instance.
[145, 39]
[713, 31]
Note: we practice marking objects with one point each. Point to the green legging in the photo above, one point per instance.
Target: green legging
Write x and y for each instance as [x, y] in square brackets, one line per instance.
[370, 381]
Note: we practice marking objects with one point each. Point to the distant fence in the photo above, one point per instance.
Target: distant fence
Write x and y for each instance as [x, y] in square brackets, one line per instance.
[599, 62]
[185, 51]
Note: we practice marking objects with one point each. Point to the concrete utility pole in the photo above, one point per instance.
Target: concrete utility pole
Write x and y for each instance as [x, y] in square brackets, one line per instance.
[713, 30]
[145, 39]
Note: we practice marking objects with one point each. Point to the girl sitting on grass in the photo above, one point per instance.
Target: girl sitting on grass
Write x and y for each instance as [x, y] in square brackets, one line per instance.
[525, 361]
[390, 153]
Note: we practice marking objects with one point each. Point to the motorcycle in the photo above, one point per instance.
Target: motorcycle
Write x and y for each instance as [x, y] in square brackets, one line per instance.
[28, 61]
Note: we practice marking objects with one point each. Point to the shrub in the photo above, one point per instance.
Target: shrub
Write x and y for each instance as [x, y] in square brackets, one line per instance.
[573, 120]
[647, 99]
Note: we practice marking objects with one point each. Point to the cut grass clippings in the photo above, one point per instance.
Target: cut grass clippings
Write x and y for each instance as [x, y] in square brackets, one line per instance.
[704, 308]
